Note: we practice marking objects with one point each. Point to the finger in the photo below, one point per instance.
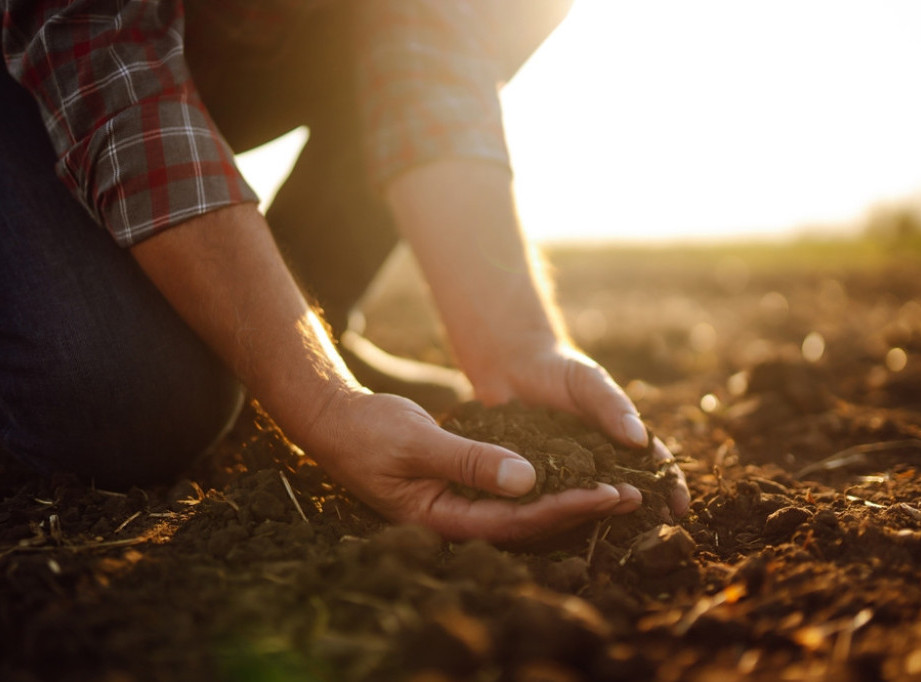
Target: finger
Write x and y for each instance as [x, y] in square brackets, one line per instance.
[502, 521]
[680, 500]
[598, 397]
[479, 465]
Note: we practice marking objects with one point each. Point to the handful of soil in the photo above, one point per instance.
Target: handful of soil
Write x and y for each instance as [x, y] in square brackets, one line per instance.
[564, 451]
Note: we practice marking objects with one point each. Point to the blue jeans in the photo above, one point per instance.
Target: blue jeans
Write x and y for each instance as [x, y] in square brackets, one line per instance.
[98, 375]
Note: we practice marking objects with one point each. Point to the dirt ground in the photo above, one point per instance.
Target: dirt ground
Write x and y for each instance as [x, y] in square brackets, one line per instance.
[787, 380]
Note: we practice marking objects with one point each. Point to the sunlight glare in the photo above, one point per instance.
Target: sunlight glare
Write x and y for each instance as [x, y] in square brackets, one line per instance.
[663, 120]
[266, 167]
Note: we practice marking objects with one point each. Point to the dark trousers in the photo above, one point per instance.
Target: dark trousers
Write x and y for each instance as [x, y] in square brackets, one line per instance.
[98, 375]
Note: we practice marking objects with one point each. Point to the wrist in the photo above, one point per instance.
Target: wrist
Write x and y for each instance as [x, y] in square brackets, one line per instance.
[304, 383]
[502, 373]
[317, 425]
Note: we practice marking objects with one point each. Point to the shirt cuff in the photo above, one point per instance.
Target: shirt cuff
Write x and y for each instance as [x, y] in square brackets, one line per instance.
[429, 86]
[155, 164]
[429, 131]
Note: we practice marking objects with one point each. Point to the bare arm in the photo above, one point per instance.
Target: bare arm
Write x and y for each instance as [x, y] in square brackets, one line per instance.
[223, 274]
[460, 217]
[225, 277]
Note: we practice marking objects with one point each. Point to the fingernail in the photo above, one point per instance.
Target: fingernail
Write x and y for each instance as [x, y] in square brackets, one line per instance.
[629, 494]
[515, 476]
[611, 502]
[635, 431]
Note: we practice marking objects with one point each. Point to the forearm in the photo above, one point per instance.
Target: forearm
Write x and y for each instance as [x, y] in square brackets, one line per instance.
[225, 277]
[459, 216]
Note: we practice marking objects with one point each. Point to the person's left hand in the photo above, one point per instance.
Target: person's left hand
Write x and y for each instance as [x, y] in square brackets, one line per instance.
[560, 376]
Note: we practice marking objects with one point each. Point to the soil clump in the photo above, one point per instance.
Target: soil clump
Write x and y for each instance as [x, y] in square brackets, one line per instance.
[565, 452]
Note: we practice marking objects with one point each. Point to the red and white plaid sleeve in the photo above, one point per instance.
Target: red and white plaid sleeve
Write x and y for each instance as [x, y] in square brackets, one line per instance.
[134, 141]
[429, 85]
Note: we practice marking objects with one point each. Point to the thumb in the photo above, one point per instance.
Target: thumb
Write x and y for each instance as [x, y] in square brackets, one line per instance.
[480, 465]
[598, 397]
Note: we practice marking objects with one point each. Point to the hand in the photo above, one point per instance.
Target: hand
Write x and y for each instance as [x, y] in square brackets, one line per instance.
[459, 216]
[392, 455]
[559, 376]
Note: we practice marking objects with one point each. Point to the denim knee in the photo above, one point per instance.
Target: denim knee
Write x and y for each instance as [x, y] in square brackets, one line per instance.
[98, 375]
[119, 419]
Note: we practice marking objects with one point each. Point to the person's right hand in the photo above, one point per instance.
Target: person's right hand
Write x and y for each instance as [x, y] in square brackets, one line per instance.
[393, 456]
[558, 375]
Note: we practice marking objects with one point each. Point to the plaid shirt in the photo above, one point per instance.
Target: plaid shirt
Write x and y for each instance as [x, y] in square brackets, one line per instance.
[136, 145]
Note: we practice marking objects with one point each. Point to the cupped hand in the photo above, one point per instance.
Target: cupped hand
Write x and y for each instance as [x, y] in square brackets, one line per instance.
[392, 455]
[558, 375]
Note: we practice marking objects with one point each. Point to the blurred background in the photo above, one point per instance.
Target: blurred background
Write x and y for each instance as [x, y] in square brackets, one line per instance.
[670, 121]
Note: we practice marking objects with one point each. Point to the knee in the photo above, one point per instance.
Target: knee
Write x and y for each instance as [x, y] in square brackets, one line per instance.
[548, 14]
[558, 10]
[520, 27]
[119, 419]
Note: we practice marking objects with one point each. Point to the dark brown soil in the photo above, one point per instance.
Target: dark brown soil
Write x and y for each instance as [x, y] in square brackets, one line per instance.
[565, 452]
[799, 559]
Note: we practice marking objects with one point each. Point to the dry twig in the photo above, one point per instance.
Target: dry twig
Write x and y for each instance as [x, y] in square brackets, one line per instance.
[127, 542]
[856, 456]
[297, 505]
[592, 543]
[124, 523]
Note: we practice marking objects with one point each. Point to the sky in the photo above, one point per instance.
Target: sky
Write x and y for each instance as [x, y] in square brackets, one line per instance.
[671, 120]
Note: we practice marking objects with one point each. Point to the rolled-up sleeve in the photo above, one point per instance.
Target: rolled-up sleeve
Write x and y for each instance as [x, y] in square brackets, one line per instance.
[428, 85]
[134, 141]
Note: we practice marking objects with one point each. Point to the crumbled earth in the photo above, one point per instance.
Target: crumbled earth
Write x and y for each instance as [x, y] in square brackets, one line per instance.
[787, 381]
[565, 452]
